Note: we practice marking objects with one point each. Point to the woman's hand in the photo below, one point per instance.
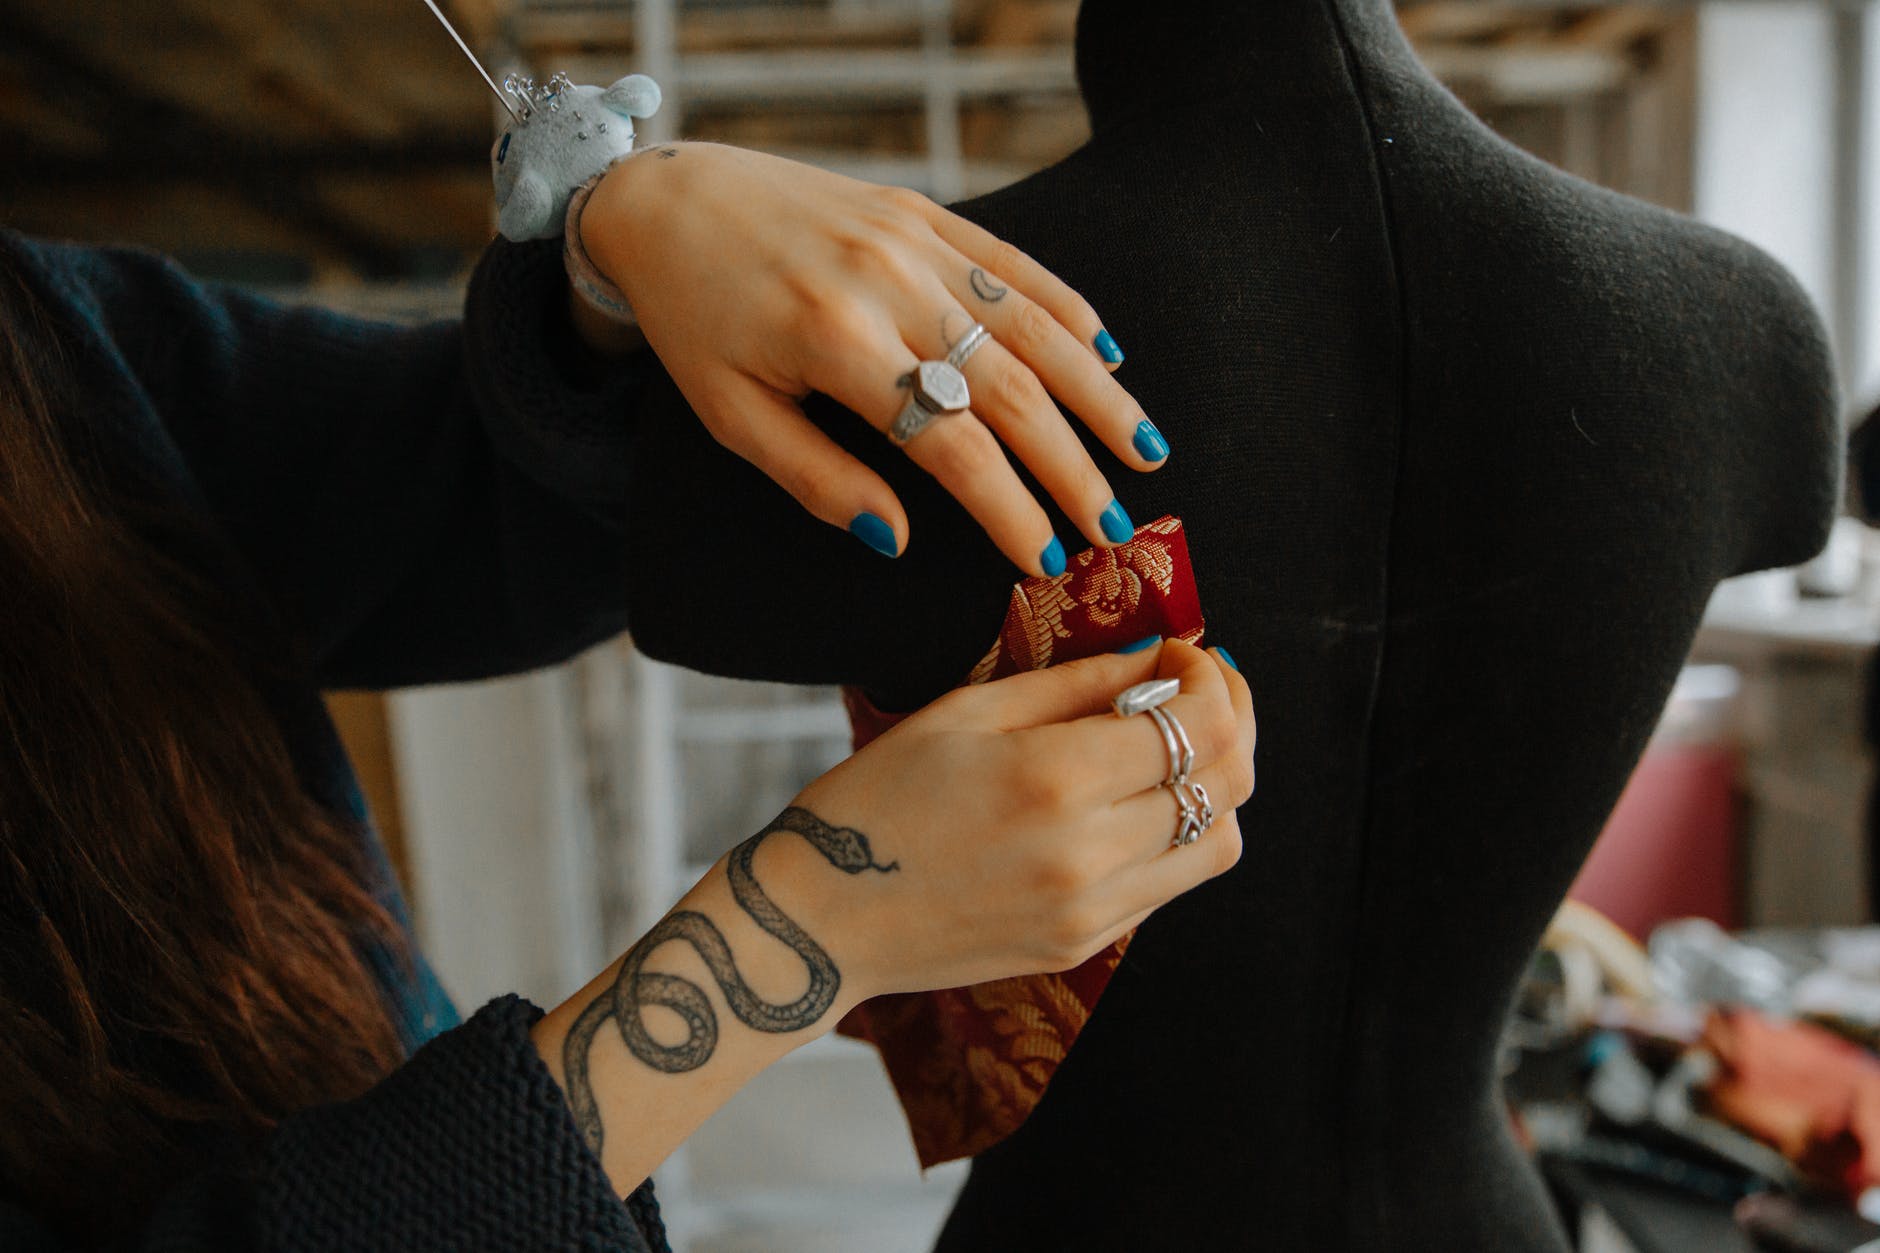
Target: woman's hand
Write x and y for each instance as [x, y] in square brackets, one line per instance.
[758, 280]
[1027, 822]
[1007, 829]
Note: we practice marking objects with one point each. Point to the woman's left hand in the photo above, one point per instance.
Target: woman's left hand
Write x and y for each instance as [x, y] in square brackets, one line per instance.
[758, 280]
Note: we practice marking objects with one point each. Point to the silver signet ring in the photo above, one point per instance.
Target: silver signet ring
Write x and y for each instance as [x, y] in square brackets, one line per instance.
[942, 388]
[940, 391]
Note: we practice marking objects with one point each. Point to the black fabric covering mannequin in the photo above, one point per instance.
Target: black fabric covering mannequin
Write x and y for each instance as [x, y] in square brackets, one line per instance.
[1463, 445]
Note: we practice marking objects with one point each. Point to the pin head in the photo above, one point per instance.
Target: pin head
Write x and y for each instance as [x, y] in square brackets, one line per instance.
[528, 96]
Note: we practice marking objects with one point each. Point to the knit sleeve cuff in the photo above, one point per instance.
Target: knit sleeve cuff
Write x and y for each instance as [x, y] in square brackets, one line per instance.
[561, 412]
[470, 1144]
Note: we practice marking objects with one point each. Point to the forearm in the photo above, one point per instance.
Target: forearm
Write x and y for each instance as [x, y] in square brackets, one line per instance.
[730, 980]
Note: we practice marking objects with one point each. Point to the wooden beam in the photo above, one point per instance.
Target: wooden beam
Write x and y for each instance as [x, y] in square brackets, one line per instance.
[141, 127]
[1615, 29]
[1454, 20]
[877, 76]
[361, 721]
[311, 73]
[143, 164]
[1527, 76]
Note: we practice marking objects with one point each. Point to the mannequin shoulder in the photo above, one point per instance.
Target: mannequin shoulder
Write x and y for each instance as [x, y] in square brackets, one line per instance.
[1516, 250]
[1726, 351]
[1690, 356]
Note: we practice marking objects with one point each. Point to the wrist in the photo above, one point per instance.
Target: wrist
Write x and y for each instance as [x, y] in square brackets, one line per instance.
[599, 310]
[620, 208]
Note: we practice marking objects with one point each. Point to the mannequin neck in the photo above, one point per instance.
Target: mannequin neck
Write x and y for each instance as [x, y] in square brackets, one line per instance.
[1170, 56]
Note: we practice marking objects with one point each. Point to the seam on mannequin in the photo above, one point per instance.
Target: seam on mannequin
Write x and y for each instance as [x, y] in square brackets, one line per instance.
[1362, 1221]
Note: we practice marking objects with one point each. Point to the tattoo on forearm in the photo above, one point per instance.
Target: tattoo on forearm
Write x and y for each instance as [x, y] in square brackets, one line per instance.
[667, 154]
[633, 989]
[986, 287]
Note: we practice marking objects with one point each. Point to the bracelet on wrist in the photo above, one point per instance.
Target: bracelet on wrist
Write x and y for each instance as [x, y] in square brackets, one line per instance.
[597, 290]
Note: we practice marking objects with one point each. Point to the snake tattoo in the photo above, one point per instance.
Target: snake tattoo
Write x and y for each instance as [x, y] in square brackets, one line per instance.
[635, 988]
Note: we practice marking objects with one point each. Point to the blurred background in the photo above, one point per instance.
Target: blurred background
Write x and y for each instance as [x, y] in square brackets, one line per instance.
[336, 151]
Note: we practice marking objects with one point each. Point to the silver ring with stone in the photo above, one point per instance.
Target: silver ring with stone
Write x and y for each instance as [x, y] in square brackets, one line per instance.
[939, 391]
[1142, 697]
[969, 344]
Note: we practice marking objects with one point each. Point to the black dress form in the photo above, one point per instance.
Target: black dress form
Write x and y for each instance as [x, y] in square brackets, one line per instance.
[1463, 445]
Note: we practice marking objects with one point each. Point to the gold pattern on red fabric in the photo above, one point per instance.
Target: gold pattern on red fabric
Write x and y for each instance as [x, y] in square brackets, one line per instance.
[970, 1064]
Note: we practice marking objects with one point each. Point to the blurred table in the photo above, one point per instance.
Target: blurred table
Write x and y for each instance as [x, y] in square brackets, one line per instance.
[1650, 1217]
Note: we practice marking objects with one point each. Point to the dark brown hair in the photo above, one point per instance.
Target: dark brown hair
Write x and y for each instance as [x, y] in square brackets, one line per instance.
[180, 922]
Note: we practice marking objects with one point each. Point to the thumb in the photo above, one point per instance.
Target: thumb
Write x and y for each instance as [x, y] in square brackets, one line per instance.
[1076, 689]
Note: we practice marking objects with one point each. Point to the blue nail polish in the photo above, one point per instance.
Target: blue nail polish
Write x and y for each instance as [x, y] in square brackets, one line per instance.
[1117, 528]
[1108, 349]
[1147, 641]
[1052, 558]
[875, 533]
[1149, 441]
[1228, 658]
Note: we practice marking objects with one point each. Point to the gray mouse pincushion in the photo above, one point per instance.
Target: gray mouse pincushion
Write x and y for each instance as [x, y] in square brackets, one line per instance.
[567, 135]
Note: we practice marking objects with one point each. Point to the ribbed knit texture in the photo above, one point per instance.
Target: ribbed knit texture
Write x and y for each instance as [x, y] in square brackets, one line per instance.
[399, 506]
[469, 1146]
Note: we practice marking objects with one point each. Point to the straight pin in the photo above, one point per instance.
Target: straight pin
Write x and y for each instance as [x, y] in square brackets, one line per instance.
[494, 89]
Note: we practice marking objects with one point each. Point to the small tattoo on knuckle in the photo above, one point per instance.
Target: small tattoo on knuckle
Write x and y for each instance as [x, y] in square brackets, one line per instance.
[986, 287]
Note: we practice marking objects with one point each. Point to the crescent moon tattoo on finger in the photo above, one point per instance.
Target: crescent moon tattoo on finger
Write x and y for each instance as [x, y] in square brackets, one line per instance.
[986, 287]
[634, 988]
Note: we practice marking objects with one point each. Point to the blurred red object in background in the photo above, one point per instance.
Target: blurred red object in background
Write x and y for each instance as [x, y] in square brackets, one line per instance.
[1671, 848]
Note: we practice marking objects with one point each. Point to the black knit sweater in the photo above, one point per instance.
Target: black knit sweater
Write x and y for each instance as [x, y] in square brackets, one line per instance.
[414, 505]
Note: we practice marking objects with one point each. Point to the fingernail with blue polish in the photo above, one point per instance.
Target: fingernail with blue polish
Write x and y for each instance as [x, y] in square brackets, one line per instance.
[1052, 558]
[1228, 658]
[875, 533]
[1149, 442]
[1147, 641]
[1108, 349]
[1117, 527]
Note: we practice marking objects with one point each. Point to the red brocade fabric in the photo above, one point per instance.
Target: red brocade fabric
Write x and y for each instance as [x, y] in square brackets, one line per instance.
[969, 1064]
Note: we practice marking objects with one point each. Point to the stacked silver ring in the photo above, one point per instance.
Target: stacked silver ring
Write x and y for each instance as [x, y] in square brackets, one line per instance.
[1191, 799]
[1181, 754]
[969, 344]
[1194, 812]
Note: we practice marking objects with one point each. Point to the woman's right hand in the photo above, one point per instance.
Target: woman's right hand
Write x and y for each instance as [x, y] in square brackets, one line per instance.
[1027, 821]
[1006, 829]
